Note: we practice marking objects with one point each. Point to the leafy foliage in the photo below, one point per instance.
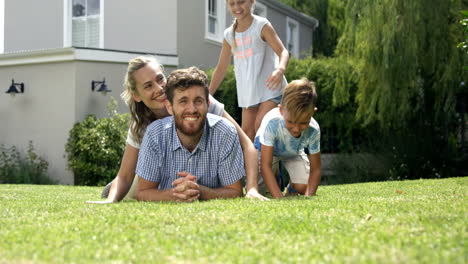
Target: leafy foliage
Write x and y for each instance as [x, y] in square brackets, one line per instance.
[405, 54]
[409, 72]
[330, 14]
[464, 22]
[95, 147]
[16, 169]
[227, 93]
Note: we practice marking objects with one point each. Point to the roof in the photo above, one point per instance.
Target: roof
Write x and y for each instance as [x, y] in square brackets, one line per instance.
[78, 54]
[291, 12]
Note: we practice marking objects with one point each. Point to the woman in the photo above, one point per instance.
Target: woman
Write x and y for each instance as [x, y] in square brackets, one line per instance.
[144, 95]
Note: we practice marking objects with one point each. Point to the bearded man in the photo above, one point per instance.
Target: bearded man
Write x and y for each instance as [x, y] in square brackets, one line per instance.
[191, 155]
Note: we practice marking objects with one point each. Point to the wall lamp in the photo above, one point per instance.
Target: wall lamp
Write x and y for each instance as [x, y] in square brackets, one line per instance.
[102, 86]
[13, 88]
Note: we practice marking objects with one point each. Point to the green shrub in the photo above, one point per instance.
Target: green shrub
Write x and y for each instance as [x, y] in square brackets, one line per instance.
[227, 94]
[16, 169]
[95, 147]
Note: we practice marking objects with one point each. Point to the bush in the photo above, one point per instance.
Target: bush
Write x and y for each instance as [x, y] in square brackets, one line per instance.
[16, 169]
[227, 94]
[95, 147]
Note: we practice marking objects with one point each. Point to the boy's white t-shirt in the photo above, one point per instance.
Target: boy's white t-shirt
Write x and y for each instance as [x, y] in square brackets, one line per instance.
[272, 132]
[254, 61]
[215, 108]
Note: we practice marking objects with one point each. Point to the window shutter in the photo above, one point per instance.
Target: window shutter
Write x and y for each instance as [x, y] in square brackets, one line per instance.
[78, 35]
[93, 32]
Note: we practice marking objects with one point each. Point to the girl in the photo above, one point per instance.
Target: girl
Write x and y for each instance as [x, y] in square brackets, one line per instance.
[144, 95]
[259, 75]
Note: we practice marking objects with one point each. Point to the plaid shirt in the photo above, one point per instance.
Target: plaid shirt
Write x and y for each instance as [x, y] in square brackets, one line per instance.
[215, 162]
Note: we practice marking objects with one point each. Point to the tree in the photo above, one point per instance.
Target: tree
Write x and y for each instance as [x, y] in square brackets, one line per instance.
[409, 72]
[406, 56]
[330, 14]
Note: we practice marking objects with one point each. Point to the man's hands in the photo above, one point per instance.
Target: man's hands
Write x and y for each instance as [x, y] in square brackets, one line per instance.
[185, 188]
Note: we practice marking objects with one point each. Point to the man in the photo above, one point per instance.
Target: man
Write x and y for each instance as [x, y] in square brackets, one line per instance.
[191, 155]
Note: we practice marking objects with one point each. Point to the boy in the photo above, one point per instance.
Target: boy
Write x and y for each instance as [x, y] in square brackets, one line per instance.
[287, 133]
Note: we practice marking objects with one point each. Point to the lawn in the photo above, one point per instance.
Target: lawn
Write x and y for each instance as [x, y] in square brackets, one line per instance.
[421, 221]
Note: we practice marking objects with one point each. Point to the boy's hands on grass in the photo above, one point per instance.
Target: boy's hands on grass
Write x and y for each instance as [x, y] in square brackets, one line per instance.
[310, 191]
[186, 188]
[254, 194]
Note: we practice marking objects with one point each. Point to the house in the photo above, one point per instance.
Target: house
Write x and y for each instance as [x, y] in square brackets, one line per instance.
[59, 49]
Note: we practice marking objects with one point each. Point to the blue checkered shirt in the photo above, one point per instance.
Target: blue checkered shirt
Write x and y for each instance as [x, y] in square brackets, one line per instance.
[215, 162]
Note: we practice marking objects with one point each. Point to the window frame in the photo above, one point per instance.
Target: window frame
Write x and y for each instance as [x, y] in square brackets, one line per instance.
[295, 38]
[68, 24]
[263, 9]
[217, 37]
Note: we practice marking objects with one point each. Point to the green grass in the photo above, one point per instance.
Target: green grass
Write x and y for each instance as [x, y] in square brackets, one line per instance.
[422, 221]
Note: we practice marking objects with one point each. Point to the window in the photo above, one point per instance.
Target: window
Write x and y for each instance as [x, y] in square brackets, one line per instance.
[292, 36]
[215, 19]
[260, 9]
[86, 27]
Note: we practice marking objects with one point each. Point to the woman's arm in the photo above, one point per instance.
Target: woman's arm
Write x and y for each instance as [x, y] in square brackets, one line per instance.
[221, 68]
[276, 78]
[124, 179]
[250, 160]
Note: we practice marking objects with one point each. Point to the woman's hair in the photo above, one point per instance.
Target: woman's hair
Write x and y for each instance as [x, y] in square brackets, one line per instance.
[141, 115]
[299, 96]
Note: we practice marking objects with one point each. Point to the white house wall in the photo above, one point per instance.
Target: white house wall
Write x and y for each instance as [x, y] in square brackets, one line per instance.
[193, 48]
[89, 102]
[43, 114]
[143, 25]
[32, 25]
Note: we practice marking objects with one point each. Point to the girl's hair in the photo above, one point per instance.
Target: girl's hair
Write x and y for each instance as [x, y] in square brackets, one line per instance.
[299, 96]
[234, 27]
[234, 44]
[141, 115]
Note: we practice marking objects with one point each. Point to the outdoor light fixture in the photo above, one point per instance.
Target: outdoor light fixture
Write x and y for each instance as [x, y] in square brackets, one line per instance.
[13, 88]
[102, 88]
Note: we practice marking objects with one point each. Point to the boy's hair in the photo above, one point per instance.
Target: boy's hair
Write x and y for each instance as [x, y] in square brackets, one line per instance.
[299, 96]
[185, 78]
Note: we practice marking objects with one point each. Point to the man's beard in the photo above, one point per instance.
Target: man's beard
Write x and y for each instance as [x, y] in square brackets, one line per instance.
[194, 130]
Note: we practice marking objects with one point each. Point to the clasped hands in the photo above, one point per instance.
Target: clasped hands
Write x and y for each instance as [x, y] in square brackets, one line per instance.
[185, 188]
